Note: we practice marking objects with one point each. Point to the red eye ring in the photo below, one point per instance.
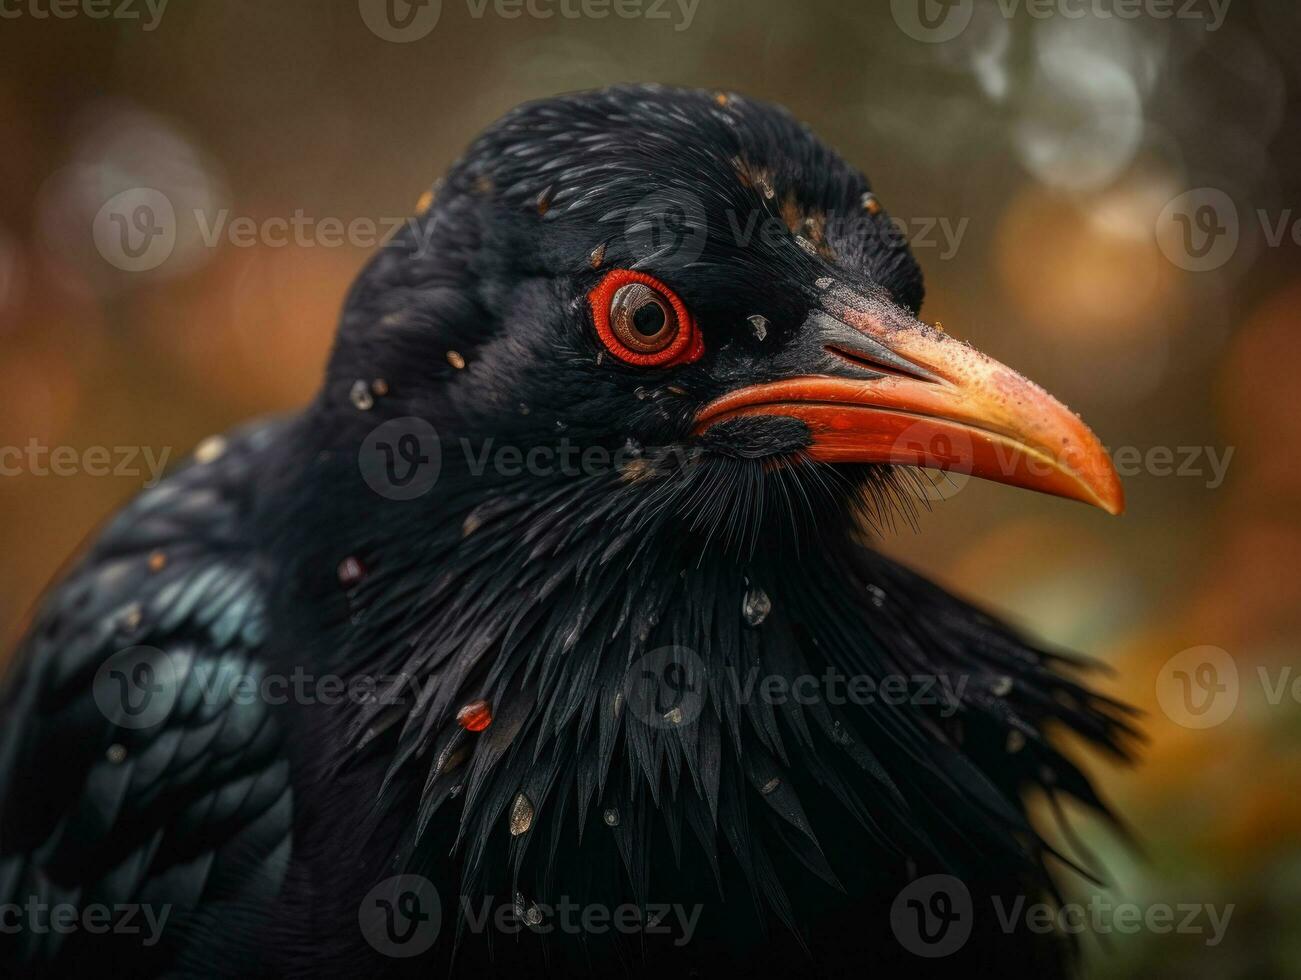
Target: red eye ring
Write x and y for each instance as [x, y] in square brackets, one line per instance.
[685, 348]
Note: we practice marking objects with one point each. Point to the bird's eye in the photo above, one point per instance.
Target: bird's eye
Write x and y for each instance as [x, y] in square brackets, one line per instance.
[643, 322]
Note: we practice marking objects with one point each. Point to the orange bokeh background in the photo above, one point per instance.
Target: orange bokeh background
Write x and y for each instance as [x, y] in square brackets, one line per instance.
[1053, 144]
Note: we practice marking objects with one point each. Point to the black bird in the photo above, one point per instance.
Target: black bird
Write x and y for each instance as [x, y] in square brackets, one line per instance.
[558, 605]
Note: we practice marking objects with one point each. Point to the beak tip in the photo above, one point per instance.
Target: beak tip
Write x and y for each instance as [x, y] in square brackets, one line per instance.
[1114, 504]
[1105, 492]
[1113, 507]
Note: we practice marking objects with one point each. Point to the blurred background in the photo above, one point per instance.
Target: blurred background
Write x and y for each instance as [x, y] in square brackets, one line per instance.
[1102, 194]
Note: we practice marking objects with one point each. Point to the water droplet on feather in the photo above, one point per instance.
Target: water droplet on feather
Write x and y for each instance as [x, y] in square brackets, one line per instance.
[132, 617]
[475, 716]
[210, 450]
[521, 815]
[756, 606]
[361, 397]
[351, 571]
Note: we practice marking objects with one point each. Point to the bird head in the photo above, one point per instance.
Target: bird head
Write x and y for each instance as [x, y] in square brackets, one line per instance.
[692, 289]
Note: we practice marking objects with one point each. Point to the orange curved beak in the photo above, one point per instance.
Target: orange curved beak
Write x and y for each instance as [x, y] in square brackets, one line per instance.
[886, 388]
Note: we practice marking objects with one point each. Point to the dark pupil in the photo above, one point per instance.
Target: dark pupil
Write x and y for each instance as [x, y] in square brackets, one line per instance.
[648, 319]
